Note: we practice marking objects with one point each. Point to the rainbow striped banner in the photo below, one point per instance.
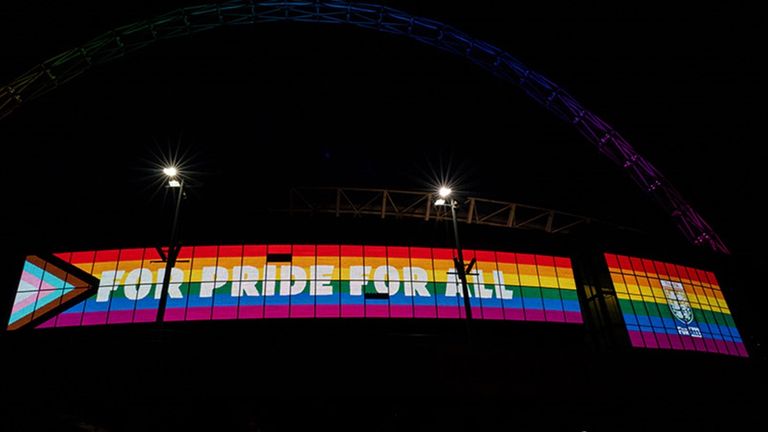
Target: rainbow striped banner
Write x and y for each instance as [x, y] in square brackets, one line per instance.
[673, 307]
[320, 281]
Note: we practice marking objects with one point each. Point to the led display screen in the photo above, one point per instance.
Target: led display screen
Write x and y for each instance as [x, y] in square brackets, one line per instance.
[673, 307]
[43, 286]
[320, 281]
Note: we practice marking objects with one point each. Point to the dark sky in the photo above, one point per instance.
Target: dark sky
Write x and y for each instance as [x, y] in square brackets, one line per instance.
[259, 109]
[300, 104]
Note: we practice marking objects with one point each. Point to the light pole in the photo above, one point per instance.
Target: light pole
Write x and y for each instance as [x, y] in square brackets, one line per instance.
[174, 182]
[446, 200]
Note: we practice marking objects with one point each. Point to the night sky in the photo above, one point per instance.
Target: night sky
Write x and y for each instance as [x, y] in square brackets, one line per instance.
[256, 110]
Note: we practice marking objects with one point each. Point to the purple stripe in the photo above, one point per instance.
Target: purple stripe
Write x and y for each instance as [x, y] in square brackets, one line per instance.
[276, 311]
[534, 315]
[224, 312]
[493, 313]
[424, 311]
[514, 314]
[94, 318]
[250, 312]
[48, 324]
[69, 319]
[174, 314]
[145, 315]
[302, 311]
[352, 311]
[198, 313]
[327, 311]
[636, 338]
[448, 312]
[120, 316]
[742, 350]
[573, 317]
[376, 311]
[401, 311]
[554, 316]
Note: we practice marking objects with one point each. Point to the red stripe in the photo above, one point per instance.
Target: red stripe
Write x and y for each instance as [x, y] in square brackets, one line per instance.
[526, 259]
[206, 251]
[566, 262]
[421, 253]
[231, 251]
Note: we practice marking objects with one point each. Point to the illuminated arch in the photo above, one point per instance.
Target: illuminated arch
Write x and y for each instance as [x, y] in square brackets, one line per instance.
[120, 41]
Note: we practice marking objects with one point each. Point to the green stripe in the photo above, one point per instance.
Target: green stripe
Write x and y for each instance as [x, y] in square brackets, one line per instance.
[662, 310]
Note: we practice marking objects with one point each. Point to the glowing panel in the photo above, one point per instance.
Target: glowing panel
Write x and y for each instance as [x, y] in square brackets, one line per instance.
[309, 281]
[669, 306]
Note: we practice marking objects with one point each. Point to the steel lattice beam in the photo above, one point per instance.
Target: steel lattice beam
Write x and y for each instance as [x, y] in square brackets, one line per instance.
[386, 203]
[122, 40]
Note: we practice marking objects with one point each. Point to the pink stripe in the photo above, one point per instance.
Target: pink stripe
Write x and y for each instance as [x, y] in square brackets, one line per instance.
[573, 317]
[448, 312]
[721, 347]
[477, 312]
[36, 282]
[120, 316]
[676, 342]
[650, 340]
[352, 311]
[145, 315]
[198, 313]
[534, 315]
[327, 311]
[94, 318]
[710, 345]
[492, 313]
[302, 311]
[554, 316]
[515, 314]
[424, 311]
[174, 314]
[376, 311]
[26, 302]
[699, 344]
[224, 312]
[687, 343]
[636, 338]
[48, 324]
[250, 312]
[742, 350]
[69, 319]
[663, 341]
[276, 311]
[400, 311]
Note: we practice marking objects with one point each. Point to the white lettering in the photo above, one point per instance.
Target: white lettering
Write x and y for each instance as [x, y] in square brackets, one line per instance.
[293, 280]
[135, 290]
[107, 284]
[270, 274]
[174, 285]
[386, 280]
[478, 287]
[452, 288]
[244, 281]
[415, 281]
[359, 277]
[213, 277]
[320, 283]
[498, 284]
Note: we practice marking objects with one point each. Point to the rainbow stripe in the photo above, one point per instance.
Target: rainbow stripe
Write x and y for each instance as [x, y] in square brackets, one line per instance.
[673, 307]
[321, 281]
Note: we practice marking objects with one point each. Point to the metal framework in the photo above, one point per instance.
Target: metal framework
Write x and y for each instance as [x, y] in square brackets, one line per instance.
[186, 21]
[385, 203]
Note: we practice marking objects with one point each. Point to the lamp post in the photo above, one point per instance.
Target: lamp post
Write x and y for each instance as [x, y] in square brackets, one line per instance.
[461, 270]
[174, 182]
